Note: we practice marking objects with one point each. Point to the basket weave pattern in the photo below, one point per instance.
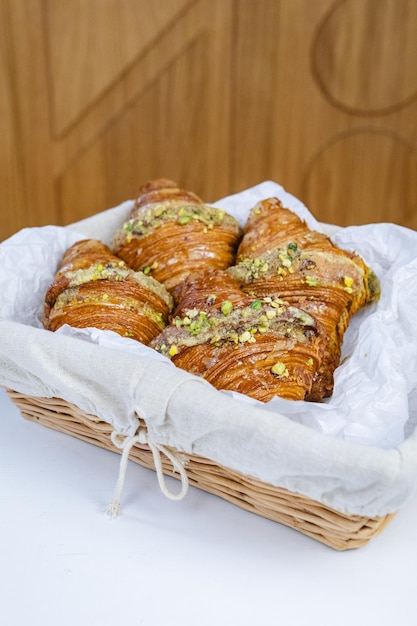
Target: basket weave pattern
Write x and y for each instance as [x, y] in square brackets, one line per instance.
[337, 530]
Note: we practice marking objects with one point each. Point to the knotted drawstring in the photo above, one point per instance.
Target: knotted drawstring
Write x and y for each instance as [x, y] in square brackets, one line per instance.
[126, 444]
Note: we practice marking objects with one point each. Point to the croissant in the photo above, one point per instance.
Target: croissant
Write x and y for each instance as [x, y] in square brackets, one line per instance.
[279, 256]
[94, 288]
[260, 347]
[171, 232]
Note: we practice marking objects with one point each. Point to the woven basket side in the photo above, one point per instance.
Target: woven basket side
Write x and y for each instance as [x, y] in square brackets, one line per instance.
[335, 529]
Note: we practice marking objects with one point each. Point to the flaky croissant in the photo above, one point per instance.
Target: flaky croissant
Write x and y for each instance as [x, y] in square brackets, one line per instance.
[94, 288]
[279, 256]
[171, 232]
[256, 346]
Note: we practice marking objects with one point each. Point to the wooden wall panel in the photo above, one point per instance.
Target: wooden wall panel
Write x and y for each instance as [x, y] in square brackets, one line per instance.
[176, 123]
[30, 111]
[319, 95]
[150, 138]
[350, 157]
[12, 191]
[363, 61]
[255, 99]
[91, 43]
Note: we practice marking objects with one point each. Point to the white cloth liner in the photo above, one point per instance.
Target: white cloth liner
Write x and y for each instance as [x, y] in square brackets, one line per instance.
[356, 452]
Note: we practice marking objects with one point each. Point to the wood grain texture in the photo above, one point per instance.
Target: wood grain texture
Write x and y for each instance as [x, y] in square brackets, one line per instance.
[28, 107]
[367, 174]
[377, 36]
[318, 95]
[12, 192]
[169, 124]
[90, 44]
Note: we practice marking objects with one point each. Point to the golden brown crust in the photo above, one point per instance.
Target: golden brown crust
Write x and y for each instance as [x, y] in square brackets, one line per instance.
[94, 288]
[160, 190]
[171, 232]
[267, 322]
[280, 256]
[261, 348]
[248, 369]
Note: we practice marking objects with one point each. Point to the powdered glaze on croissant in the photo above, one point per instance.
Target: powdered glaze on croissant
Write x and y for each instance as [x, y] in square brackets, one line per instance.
[258, 347]
[171, 232]
[279, 256]
[94, 288]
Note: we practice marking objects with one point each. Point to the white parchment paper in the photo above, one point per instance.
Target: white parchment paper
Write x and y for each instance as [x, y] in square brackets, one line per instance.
[356, 452]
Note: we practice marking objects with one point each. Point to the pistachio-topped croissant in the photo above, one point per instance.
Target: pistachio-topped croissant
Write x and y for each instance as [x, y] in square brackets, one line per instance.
[171, 232]
[279, 256]
[260, 347]
[94, 288]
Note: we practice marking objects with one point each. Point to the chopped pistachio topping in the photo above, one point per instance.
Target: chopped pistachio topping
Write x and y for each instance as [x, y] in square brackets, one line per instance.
[246, 337]
[279, 369]
[278, 260]
[118, 272]
[148, 268]
[313, 267]
[240, 326]
[285, 259]
[151, 216]
[227, 307]
[374, 286]
[72, 296]
[311, 282]
[348, 282]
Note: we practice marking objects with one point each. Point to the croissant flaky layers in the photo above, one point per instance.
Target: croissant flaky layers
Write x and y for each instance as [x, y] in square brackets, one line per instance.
[261, 311]
[279, 256]
[94, 288]
[171, 232]
[259, 347]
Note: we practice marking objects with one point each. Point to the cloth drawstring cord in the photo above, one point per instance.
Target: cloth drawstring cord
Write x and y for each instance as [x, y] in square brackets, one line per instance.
[126, 444]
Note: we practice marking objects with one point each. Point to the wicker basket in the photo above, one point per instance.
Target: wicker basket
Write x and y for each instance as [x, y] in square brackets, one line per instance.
[337, 530]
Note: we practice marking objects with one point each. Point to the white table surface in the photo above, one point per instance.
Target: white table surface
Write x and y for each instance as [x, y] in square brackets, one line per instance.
[200, 561]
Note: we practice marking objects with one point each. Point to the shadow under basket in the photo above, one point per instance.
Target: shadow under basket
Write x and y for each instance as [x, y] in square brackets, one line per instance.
[337, 530]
